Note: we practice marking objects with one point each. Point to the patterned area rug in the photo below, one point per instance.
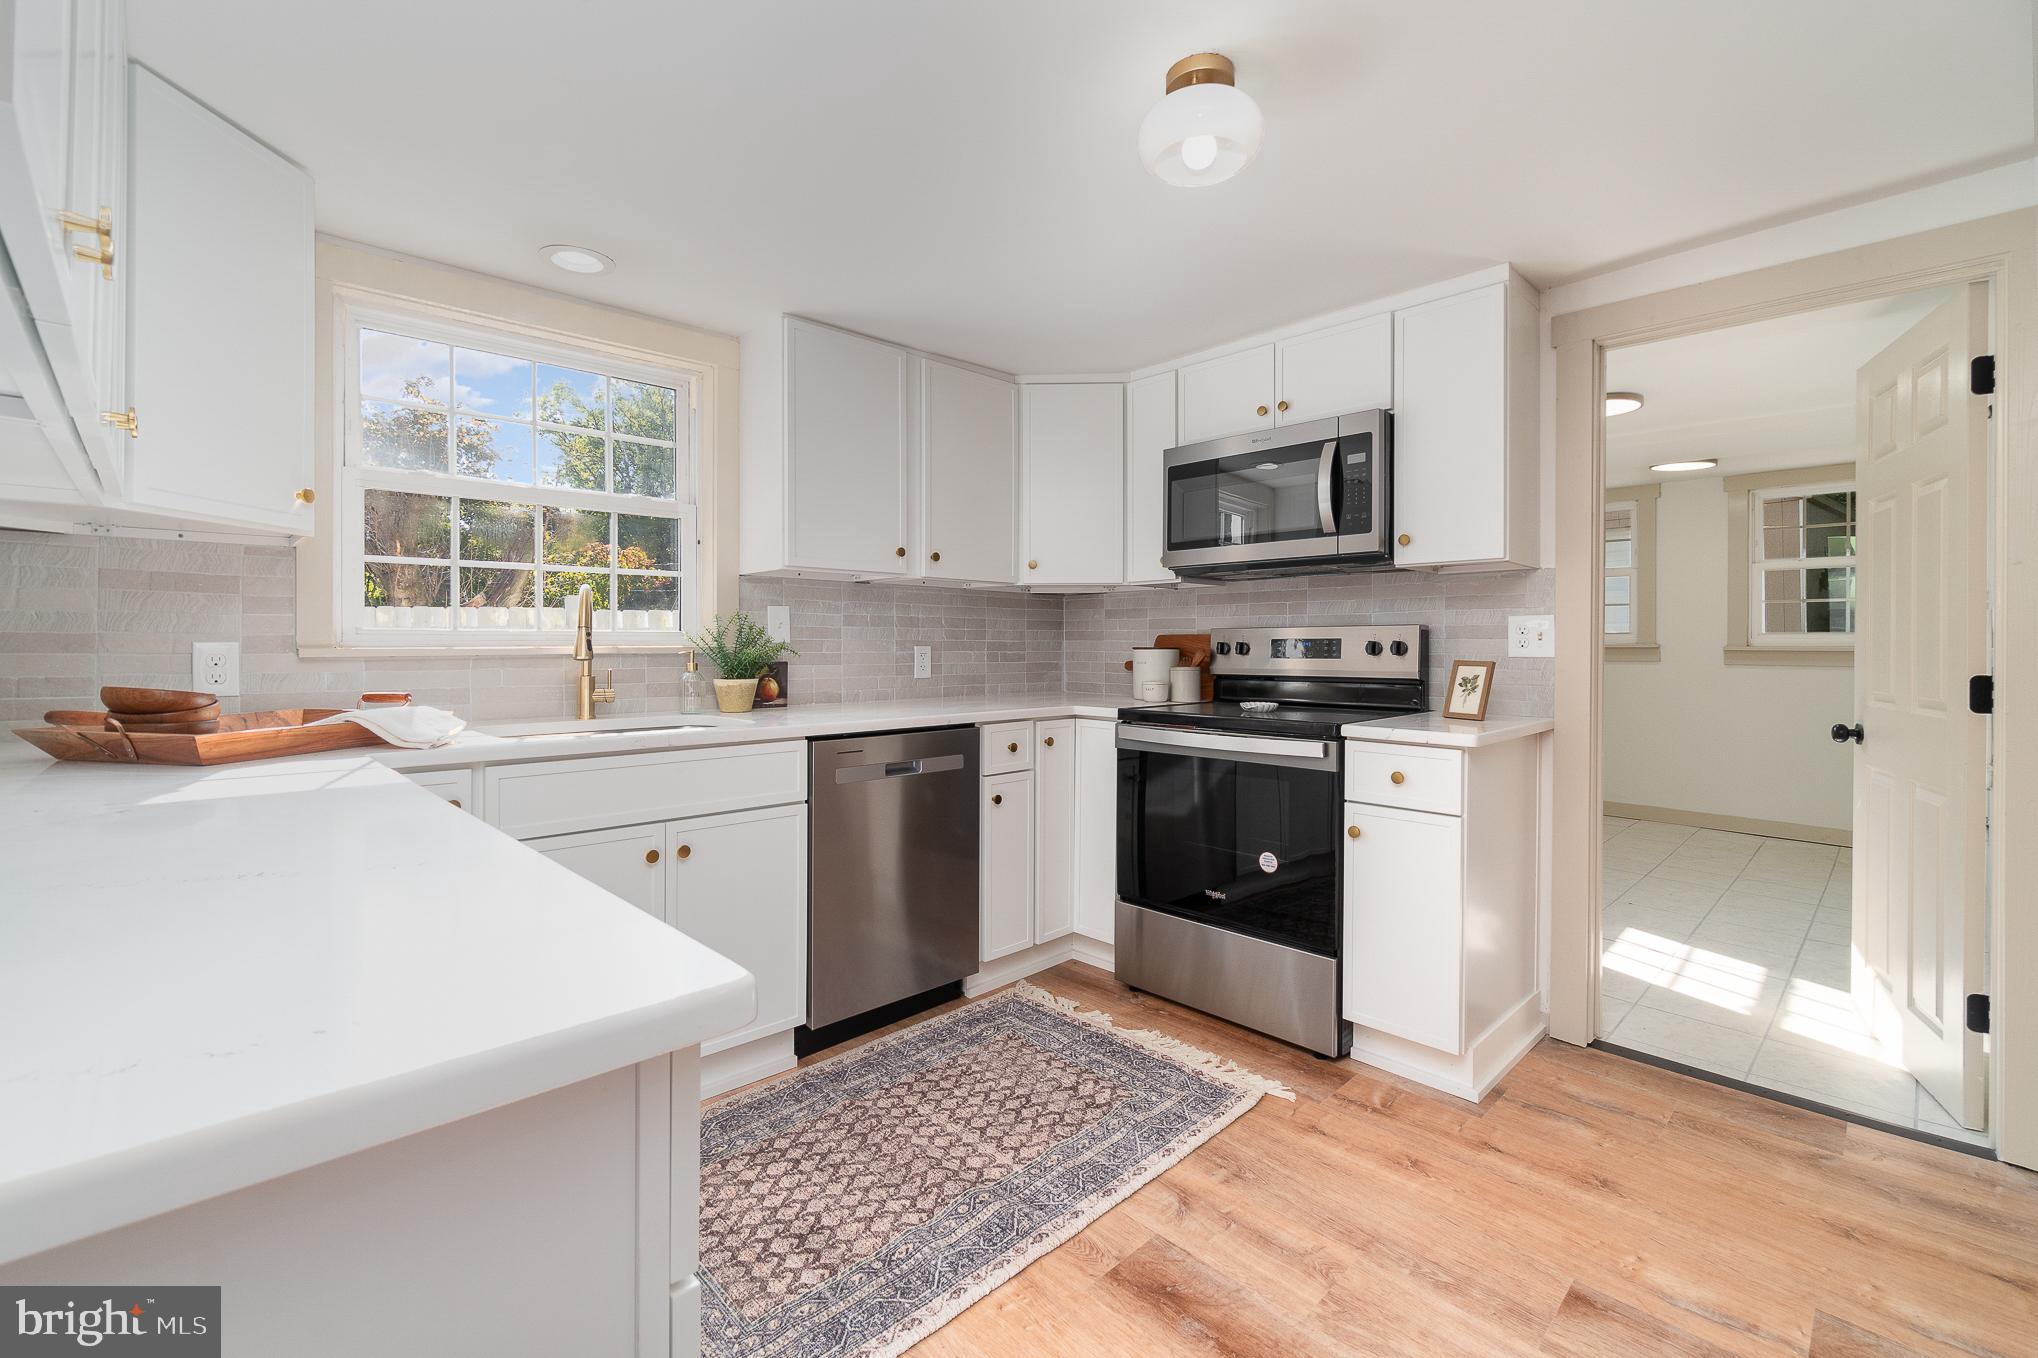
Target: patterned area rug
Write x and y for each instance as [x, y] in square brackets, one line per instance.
[857, 1206]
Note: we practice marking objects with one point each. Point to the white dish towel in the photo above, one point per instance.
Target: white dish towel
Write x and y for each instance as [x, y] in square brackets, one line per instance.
[413, 728]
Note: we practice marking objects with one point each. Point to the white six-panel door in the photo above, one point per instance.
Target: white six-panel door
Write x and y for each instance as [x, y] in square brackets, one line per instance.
[1919, 831]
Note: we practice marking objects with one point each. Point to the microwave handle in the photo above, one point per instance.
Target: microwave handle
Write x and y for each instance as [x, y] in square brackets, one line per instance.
[1325, 465]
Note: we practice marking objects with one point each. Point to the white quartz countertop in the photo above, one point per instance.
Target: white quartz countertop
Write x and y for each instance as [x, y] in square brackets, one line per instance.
[1433, 728]
[211, 977]
[495, 744]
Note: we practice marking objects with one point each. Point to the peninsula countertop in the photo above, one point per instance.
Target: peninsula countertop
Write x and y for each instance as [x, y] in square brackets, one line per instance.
[212, 977]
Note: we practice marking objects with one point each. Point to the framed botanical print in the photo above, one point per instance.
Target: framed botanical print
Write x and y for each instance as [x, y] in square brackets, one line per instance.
[1471, 685]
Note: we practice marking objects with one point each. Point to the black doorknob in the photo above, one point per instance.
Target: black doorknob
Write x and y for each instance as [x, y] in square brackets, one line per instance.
[1844, 733]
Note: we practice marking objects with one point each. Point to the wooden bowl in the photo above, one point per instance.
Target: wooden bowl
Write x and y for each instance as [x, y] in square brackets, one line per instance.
[166, 728]
[153, 700]
[203, 712]
[64, 716]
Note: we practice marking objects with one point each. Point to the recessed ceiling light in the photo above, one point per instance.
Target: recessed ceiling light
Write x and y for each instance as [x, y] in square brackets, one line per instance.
[1623, 402]
[1204, 129]
[578, 258]
[1704, 464]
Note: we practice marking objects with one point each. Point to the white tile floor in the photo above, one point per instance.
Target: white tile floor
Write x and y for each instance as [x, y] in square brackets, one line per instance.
[1729, 952]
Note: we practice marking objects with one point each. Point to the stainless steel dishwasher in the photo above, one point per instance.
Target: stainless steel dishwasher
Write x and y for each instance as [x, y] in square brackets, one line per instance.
[892, 875]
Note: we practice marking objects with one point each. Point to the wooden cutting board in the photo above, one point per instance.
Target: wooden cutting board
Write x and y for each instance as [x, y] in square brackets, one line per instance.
[1195, 649]
[250, 735]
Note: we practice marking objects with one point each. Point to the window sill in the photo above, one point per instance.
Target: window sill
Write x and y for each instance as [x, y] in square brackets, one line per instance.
[562, 649]
[1790, 656]
[1633, 652]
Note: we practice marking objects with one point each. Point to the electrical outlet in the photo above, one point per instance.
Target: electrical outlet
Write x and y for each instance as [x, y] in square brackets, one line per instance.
[216, 667]
[778, 621]
[1535, 635]
[923, 662]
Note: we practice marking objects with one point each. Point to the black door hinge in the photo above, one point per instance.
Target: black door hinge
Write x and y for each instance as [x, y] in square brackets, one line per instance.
[1981, 694]
[1981, 375]
[1977, 1013]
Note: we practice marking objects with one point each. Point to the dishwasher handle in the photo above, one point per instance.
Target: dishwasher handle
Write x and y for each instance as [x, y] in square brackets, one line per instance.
[898, 768]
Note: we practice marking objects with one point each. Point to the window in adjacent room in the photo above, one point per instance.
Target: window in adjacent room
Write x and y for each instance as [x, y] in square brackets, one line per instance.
[1628, 572]
[1802, 553]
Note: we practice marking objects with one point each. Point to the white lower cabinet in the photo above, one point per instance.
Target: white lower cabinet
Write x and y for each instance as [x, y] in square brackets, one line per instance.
[1005, 873]
[453, 786]
[1054, 829]
[1096, 818]
[628, 862]
[1404, 937]
[738, 883]
[1049, 864]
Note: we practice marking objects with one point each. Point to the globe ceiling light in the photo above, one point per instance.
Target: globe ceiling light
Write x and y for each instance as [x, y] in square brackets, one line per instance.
[1204, 129]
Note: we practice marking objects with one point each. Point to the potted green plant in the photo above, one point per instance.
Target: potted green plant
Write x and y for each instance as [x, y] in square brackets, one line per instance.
[741, 650]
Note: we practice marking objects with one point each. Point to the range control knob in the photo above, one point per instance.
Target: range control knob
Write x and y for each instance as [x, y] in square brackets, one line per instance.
[1373, 648]
[1399, 648]
[1244, 648]
[1222, 648]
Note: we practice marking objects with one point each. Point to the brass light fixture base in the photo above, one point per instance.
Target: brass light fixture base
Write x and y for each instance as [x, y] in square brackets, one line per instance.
[1205, 68]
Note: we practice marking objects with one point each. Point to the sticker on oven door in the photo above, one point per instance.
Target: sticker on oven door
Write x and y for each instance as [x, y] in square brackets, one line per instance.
[1268, 862]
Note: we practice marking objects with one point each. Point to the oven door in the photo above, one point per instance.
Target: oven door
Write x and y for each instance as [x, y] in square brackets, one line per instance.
[1272, 496]
[1235, 832]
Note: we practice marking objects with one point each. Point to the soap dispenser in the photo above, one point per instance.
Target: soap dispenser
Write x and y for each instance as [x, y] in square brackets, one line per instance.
[696, 694]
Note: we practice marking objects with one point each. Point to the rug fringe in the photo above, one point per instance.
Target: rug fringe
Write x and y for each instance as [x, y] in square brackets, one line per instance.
[1174, 1049]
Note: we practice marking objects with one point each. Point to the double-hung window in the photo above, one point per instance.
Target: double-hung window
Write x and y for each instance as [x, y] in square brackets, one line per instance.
[1617, 606]
[488, 476]
[1802, 559]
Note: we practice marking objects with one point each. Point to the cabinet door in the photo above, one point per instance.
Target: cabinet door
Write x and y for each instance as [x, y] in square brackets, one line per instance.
[213, 307]
[1450, 430]
[1149, 433]
[453, 786]
[1006, 872]
[738, 883]
[1229, 395]
[847, 461]
[1336, 371]
[1404, 924]
[629, 862]
[1054, 829]
[1075, 483]
[1096, 829]
[971, 471]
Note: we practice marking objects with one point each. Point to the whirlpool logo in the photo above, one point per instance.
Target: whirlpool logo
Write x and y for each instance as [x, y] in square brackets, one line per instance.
[163, 1322]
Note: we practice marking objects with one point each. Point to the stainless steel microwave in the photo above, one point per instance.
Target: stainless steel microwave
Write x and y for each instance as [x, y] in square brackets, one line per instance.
[1297, 500]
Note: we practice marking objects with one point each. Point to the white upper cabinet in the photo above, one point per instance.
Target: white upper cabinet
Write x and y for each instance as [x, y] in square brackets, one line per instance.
[213, 309]
[1232, 394]
[848, 451]
[1466, 461]
[1074, 441]
[970, 467]
[1149, 433]
[1335, 371]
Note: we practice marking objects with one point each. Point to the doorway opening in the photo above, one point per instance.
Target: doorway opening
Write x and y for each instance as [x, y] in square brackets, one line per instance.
[1793, 593]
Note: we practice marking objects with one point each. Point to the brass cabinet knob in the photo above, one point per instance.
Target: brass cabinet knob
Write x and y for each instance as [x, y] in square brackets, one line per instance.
[934, 556]
[1397, 777]
[305, 496]
[1012, 748]
[1033, 565]
[1048, 741]
[651, 855]
[684, 851]
[1261, 411]
[899, 551]
[122, 419]
[1280, 405]
[455, 801]
[1404, 539]
[997, 799]
[1352, 830]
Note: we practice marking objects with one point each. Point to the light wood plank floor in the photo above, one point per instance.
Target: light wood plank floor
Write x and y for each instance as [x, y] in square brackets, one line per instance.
[1591, 1206]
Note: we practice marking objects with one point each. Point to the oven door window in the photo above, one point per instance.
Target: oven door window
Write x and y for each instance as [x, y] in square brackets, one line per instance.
[1251, 848]
[1270, 495]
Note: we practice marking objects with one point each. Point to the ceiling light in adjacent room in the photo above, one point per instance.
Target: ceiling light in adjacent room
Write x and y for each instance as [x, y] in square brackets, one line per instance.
[1623, 402]
[1204, 129]
[1704, 464]
[578, 258]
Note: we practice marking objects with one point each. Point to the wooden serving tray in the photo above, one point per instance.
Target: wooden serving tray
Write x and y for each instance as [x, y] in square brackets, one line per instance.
[248, 735]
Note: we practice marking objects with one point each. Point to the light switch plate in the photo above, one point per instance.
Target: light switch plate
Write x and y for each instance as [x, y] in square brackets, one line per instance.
[1533, 635]
[216, 667]
[778, 621]
[923, 662]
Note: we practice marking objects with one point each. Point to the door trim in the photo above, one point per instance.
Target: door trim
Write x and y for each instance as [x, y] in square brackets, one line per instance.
[2001, 250]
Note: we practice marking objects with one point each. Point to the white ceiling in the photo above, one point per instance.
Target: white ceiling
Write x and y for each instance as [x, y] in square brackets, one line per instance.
[962, 176]
[1757, 397]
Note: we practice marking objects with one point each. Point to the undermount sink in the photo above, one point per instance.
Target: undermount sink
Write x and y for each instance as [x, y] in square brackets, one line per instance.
[554, 732]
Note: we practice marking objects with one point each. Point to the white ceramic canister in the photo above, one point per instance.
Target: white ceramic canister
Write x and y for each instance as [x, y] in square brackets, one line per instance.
[1150, 666]
[1185, 684]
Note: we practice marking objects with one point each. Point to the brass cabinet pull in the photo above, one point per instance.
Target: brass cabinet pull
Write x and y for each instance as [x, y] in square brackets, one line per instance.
[997, 799]
[101, 227]
[1404, 539]
[684, 851]
[1012, 748]
[1353, 831]
[1397, 777]
[651, 855]
[305, 496]
[898, 551]
[122, 419]
[455, 801]
[1048, 741]
[934, 556]
[1280, 405]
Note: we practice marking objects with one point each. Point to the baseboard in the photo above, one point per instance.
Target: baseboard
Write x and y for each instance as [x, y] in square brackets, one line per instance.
[1098, 954]
[753, 1061]
[1741, 825]
[1470, 1076]
[1019, 965]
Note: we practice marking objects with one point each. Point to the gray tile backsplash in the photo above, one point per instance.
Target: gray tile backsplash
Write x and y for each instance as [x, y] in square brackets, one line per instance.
[79, 612]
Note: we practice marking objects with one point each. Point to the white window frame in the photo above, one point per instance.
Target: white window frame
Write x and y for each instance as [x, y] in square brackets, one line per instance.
[1760, 565]
[1631, 573]
[352, 314]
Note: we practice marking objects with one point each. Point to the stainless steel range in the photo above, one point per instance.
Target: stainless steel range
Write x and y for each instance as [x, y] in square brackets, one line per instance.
[1230, 877]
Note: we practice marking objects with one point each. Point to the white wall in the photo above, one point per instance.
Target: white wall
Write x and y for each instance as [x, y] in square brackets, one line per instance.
[1693, 733]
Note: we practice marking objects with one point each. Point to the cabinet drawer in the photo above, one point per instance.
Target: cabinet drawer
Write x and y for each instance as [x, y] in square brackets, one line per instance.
[454, 785]
[1405, 775]
[1007, 747]
[635, 789]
